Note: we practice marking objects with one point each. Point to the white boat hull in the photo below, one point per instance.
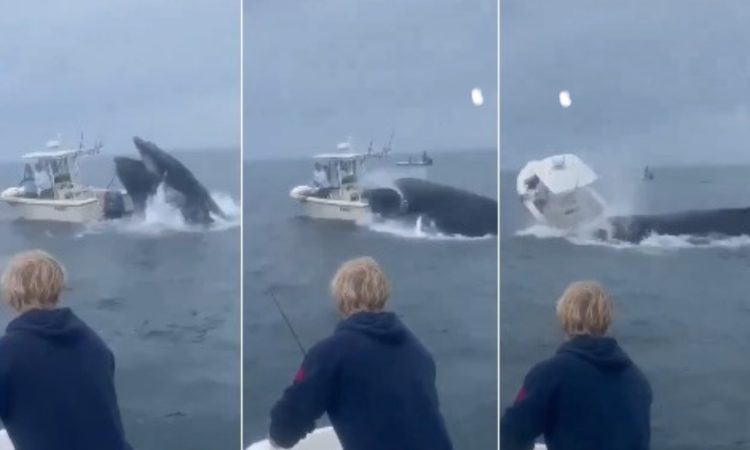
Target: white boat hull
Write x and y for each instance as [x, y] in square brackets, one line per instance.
[331, 209]
[337, 210]
[79, 211]
[569, 211]
[558, 192]
[84, 206]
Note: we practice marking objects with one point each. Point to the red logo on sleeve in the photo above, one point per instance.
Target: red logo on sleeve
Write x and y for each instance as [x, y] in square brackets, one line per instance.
[521, 395]
[299, 376]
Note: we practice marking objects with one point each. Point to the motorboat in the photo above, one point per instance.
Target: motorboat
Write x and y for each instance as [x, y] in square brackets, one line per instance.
[424, 161]
[408, 166]
[415, 167]
[336, 193]
[356, 186]
[51, 190]
[558, 192]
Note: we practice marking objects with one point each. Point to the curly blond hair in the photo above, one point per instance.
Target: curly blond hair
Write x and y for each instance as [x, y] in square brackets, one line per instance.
[33, 279]
[585, 309]
[360, 285]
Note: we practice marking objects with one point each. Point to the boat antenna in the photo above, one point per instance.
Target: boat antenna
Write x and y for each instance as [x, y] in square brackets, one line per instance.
[98, 144]
[288, 323]
[387, 148]
[80, 143]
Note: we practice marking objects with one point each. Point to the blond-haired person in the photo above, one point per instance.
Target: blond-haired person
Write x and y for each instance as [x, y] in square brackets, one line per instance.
[56, 375]
[372, 376]
[589, 395]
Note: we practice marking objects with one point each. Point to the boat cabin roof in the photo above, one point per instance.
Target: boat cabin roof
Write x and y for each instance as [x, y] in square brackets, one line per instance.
[339, 156]
[559, 173]
[57, 154]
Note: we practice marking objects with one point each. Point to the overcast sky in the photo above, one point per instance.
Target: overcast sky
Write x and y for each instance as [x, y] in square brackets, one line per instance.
[166, 70]
[651, 81]
[319, 71]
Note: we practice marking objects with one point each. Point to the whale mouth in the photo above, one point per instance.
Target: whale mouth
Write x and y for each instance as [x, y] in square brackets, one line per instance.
[150, 163]
[437, 207]
[142, 178]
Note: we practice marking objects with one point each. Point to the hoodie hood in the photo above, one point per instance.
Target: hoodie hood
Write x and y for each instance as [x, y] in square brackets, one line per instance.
[382, 326]
[58, 324]
[603, 352]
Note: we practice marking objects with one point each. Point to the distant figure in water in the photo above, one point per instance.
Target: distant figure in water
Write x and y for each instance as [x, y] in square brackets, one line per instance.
[372, 376]
[647, 174]
[57, 389]
[589, 395]
[42, 181]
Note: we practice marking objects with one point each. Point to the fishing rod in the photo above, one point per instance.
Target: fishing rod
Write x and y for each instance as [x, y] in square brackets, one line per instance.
[288, 323]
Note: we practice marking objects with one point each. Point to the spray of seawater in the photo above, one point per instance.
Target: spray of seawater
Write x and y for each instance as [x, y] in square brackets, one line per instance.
[417, 229]
[652, 242]
[160, 217]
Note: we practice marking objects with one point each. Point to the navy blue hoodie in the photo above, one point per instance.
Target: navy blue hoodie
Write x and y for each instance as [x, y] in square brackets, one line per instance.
[376, 382]
[589, 396]
[57, 385]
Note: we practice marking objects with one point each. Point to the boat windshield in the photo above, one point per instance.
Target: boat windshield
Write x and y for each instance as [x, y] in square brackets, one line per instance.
[337, 172]
[60, 171]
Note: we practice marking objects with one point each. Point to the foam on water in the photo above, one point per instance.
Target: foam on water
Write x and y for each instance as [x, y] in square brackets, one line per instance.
[416, 230]
[654, 241]
[162, 217]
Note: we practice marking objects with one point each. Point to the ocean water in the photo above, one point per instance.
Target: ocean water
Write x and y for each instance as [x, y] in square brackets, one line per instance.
[166, 299]
[682, 309]
[445, 289]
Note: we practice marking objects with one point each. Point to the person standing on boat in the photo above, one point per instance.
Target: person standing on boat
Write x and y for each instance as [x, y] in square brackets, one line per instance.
[57, 389]
[320, 177]
[28, 184]
[589, 395]
[43, 184]
[372, 376]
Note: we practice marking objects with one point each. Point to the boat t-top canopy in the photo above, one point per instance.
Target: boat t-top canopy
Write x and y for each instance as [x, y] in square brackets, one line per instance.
[58, 154]
[559, 173]
[54, 154]
[341, 156]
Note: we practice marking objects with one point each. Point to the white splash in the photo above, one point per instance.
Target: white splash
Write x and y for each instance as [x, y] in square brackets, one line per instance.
[652, 242]
[160, 216]
[416, 230]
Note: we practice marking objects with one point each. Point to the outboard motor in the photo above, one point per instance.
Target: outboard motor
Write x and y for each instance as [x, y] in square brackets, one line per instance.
[114, 205]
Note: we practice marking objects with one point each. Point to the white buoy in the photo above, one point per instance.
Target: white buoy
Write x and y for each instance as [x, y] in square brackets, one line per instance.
[565, 100]
[476, 97]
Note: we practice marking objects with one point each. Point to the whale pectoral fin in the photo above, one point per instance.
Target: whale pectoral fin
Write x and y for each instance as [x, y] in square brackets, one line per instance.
[214, 208]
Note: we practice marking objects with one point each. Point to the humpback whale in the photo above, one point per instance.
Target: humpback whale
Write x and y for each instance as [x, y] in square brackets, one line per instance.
[141, 178]
[450, 210]
[701, 223]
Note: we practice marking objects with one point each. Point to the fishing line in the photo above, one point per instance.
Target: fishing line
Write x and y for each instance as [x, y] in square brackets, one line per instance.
[288, 323]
